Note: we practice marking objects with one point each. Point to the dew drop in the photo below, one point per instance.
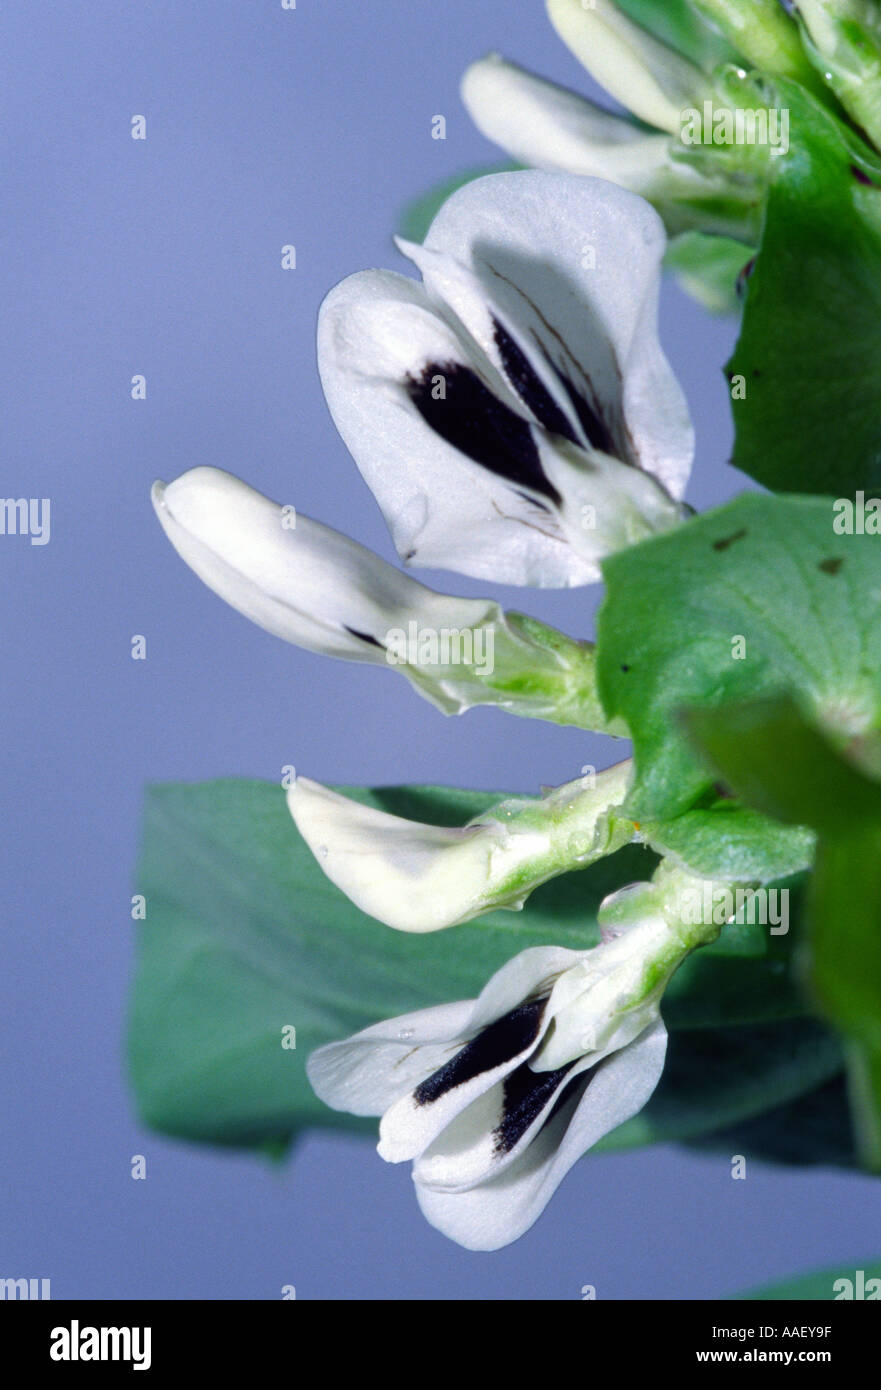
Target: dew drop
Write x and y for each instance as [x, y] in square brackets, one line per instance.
[405, 1033]
[322, 851]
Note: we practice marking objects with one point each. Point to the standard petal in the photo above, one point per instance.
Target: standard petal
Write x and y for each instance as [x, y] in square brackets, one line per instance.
[454, 468]
[548, 127]
[651, 79]
[494, 1213]
[575, 263]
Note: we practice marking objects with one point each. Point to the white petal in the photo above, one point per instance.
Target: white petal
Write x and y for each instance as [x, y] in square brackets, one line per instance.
[411, 1124]
[651, 79]
[575, 262]
[548, 127]
[368, 1072]
[496, 1212]
[419, 878]
[376, 331]
[313, 586]
[303, 582]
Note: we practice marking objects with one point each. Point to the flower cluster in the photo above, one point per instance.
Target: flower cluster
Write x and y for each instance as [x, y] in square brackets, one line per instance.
[707, 184]
[516, 420]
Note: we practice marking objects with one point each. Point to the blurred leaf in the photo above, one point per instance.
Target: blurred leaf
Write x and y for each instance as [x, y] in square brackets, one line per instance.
[812, 1129]
[859, 1280]
[768, 753]
[721, 1077]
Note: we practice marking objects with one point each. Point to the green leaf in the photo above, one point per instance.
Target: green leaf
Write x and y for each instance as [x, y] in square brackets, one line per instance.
[766, 751]
[770, 755]
[853, 1281]
[729, 1075]
[814, 1128]
[709, 268]
[809, 353]
[726, 840]
[767, 570]
[417, 216]
[245, 936]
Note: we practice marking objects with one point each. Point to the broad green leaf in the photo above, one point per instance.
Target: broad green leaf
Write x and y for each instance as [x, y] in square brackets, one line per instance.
[809, 353]
[752, 599]
[858, 1281]
[417, 216]
[710, 268]
[244, 936]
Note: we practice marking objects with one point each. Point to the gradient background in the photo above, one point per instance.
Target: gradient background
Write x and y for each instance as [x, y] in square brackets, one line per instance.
[162, 257]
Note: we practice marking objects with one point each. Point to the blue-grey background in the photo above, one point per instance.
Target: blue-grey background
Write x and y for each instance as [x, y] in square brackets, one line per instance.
[162, 257]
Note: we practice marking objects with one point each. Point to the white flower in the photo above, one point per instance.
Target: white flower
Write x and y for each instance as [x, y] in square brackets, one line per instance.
[310, 585]
[548, 127]
[514, 414]
[494, 1099]
[421, 878]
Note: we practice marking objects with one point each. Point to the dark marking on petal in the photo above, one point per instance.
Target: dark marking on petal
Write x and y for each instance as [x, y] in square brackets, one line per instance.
[724, 541]
[497, 1043]
[597, 432]
[363, 637]
[529, 387]
[832, 565]
[473, 420]
[526, 1093]
[595, 428]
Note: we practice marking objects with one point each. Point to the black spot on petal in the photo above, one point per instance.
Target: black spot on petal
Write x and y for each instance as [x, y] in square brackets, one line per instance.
[363, 637]
[529, 387]
[465, 413]
[498, 1043]
[526, 1093]
[595, 428]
